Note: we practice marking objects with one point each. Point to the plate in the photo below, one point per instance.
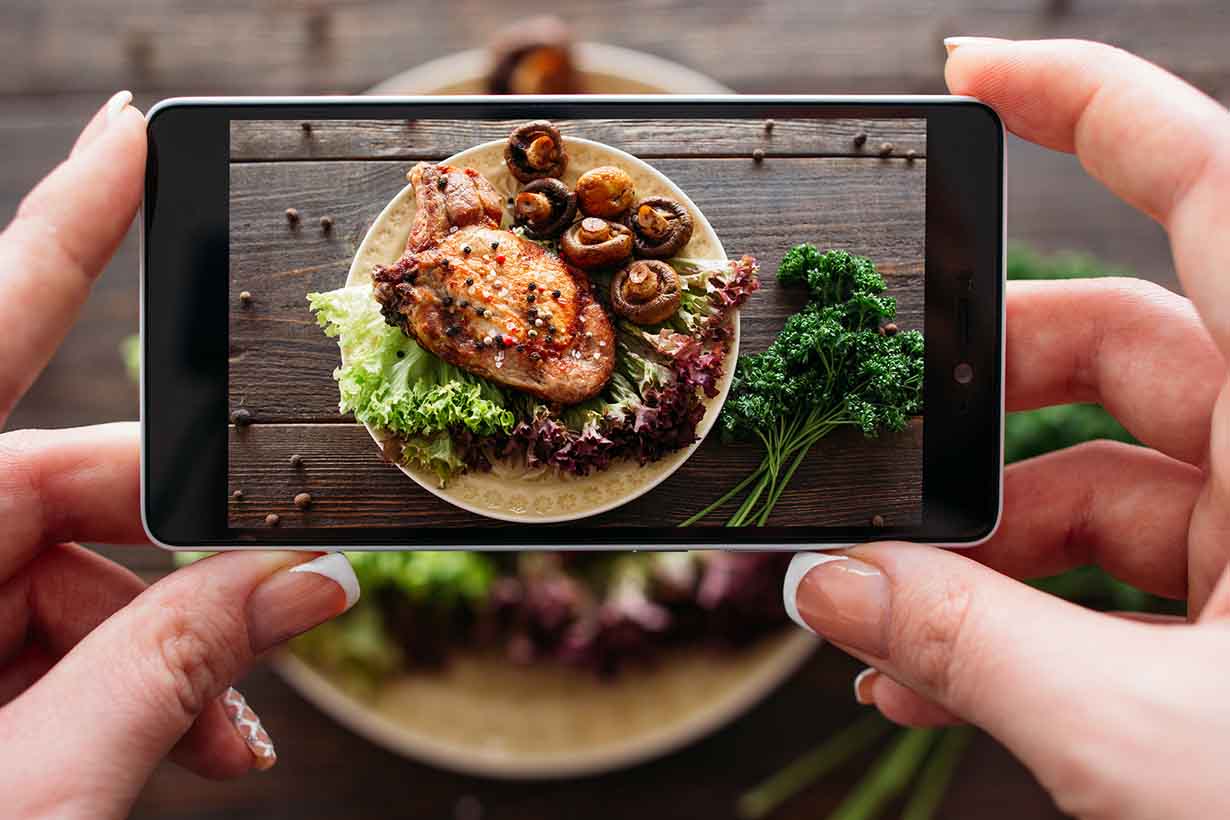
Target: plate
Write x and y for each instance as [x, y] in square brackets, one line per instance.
[545, 497]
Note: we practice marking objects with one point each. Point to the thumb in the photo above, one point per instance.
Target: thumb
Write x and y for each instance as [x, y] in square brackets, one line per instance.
[978, 644]
[94, 727]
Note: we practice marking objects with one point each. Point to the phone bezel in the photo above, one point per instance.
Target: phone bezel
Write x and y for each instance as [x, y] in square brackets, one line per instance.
[184, 341]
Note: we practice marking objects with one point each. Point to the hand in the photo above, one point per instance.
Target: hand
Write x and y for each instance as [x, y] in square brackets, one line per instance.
[101, 678]
[1118, 717]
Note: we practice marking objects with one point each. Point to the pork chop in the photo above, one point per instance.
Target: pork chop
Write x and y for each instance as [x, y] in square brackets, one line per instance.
[492, 302]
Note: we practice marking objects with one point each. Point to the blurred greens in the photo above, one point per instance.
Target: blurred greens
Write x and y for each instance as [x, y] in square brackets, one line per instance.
[923, 755]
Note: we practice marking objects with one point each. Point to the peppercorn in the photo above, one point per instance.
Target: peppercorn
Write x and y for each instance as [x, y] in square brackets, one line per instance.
[297, 460]
[555, 293]
[860, 139]
[292, 215]
[495, 246]
[448, 301]
[442, 183]
[444, 263]
[533, 286]
[273, 519]
[241, 417]
[877, 521]
[303, 500]
[535, 355]
[237, 495]
[401, 354]
[768, 126]
[451, 330]
[520, 348]
[307, 127]
[464, 304]
[481, 311]
[758, 155]
[326, 223]
[469, 282]
[530, 298]
[465, 249]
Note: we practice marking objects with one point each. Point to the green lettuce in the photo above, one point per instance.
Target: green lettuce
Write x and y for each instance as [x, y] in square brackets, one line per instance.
[392, 383]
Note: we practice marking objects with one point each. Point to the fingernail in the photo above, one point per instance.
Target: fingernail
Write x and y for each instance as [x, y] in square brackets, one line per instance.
[840, 597]
[250, 730]
[118, 102]
[864, 682]
[951, 44]
[294, 600]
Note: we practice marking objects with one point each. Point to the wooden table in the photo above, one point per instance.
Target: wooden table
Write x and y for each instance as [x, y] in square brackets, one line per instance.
[814, 183]
[60, 60]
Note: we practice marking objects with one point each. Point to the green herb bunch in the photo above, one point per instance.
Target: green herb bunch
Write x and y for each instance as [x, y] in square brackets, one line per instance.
[837, 362]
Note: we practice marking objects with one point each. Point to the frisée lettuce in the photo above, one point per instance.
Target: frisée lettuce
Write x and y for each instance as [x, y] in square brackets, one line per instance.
[390, 382]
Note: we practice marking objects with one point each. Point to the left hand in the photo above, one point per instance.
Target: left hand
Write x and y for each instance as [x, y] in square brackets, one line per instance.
[100, 677]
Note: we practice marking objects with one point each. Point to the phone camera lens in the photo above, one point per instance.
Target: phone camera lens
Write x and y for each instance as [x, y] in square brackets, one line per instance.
[963, 373]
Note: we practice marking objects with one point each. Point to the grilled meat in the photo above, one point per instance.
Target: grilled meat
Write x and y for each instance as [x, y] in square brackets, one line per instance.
[489, 301]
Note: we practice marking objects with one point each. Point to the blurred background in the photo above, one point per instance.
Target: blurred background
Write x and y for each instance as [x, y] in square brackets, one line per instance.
[60, 60]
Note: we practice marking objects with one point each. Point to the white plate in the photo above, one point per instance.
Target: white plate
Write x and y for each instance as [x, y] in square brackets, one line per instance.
[547, 497]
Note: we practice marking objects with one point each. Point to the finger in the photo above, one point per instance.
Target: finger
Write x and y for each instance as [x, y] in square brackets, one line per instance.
[899, 703]
[64, 232]
[1151, 138]
[1132, 346]
[981, 646]
[1122, 507]
[62, 596]
[80, 484]
[142, 678]
[110, 110]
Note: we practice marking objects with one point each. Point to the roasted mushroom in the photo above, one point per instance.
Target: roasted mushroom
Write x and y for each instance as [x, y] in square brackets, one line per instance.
[606, 191]
[596, 243]
[647, 291]
[544, 208]
[535, 151]
[660, 227]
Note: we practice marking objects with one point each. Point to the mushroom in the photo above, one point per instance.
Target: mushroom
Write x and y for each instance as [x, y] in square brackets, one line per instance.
[535, 151]
[595, 243]
[660, 227]
[647, 292]
[544, 208]
[605, 191]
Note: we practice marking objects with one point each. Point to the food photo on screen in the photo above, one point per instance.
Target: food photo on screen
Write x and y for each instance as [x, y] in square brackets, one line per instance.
[625, 323]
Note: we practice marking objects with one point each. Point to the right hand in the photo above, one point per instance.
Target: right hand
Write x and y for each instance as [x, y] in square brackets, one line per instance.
[1119, 717]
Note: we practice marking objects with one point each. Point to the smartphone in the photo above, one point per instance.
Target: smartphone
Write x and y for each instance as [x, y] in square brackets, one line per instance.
[770, 322]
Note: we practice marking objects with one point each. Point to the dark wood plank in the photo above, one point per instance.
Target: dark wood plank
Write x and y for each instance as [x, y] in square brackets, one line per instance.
[281, 362]
[846, 479]
[279, 47]
[262, 140]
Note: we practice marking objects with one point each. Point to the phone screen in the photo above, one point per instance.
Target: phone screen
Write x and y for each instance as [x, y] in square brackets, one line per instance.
[587, 327]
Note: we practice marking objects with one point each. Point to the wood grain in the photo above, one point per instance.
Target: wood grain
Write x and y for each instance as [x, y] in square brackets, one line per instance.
[281, 362]
[284, 46]
[846, 479]
[262, 140]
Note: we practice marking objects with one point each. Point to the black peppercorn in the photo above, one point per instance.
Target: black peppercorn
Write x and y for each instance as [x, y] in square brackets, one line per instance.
[555, 293]
[451, 330]
[469, 282]
[530, 298]
[326, 223]
[464, 304]
[758, 155]
[241, 417]
[448, 301]
[877, 521]
[535, 355]
[237, 495]
[401, 354]
[533, 286]
[860, 139]
[520, 348]
[495, 246]
[442, 183]
[465, 248]
[296, 460]
[292, 215]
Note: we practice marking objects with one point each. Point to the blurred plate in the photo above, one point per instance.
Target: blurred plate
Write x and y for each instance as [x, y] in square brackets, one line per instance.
[483, 715]
[604, 69]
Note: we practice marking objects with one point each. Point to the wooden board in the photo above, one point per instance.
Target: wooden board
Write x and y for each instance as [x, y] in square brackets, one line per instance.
[434, 139]
[281, 363]
[846, 479]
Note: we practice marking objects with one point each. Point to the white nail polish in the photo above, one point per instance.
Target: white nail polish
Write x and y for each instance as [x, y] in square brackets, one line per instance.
[118, 102]
[249, 727]
[335, 567]
[800, 566]
[864, 678]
